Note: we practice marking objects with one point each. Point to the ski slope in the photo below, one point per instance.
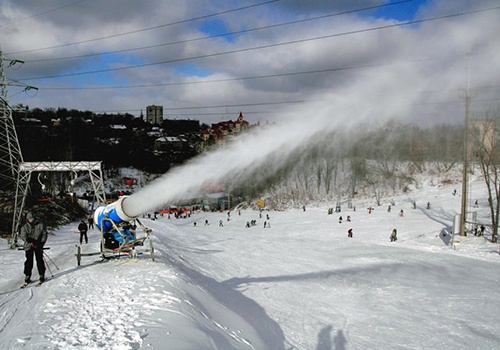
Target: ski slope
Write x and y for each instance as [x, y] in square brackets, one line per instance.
[300, 284]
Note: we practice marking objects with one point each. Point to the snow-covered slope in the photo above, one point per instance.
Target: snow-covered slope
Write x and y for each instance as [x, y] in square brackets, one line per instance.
[299, 284]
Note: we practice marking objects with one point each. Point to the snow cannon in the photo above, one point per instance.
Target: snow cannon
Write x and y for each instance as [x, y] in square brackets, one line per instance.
[104, 217]
[119, 231]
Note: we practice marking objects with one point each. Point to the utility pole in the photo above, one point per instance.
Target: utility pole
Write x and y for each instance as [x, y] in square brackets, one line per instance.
[465, 181]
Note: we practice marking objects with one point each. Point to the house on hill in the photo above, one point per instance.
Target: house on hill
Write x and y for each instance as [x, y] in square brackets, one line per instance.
[219, 133]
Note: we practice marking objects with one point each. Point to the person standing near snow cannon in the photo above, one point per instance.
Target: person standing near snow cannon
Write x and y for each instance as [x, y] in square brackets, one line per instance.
[83, 228]
[34, 235]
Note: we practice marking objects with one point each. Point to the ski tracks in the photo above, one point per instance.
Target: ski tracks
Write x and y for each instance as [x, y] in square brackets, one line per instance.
[96, 310]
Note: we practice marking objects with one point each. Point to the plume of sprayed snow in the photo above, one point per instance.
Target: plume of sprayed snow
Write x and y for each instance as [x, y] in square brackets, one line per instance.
[379, 95]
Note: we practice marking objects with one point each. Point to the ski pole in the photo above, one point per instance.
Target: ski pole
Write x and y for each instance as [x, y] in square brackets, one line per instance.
[48, 268]
[52, 261]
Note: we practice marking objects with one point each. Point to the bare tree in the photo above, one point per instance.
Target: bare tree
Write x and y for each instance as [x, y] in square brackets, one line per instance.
[485, 135]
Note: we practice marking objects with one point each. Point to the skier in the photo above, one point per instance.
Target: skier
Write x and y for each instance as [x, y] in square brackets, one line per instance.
[401, 213]
[221, 224]
[482, 230]
[394, 234]
[349, 233]
[340, 219]
[348, 218]
[34, 235]
[83, 228]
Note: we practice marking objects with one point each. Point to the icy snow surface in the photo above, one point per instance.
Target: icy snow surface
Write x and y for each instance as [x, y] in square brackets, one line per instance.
[300, 284]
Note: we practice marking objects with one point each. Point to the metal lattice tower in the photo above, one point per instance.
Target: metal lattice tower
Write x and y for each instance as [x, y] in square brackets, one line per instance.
[10, 151]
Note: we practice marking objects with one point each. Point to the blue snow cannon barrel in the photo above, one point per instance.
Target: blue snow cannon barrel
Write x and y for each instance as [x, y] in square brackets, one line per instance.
[113, 211]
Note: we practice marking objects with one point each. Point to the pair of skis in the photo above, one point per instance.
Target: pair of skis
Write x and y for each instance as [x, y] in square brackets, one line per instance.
[26, 284]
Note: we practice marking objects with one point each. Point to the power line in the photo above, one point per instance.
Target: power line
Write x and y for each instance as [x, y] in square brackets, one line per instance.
[263, 46]
[43, 13]
[220, 35]
[277, 75]
[147, 29]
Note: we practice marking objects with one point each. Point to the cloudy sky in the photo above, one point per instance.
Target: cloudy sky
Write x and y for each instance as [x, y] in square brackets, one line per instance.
[211, 59]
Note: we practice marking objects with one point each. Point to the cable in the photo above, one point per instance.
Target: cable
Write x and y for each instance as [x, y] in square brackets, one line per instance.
[261, 47]
[44, 13]
[147, 29]
[219, 35]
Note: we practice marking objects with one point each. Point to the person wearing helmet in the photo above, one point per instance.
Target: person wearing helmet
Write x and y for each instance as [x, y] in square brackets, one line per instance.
[34, 235]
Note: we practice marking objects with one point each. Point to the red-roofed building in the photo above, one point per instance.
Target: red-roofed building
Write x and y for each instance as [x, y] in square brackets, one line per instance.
[219, 133]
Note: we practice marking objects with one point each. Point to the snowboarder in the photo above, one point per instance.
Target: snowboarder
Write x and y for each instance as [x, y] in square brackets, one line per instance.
[340, 219]
[206, 222]
[389, 208]
[34, 235]
[401, 213]
[83, 228]
[348, 218]
[221, 224]
[394, 235]
[349, 233]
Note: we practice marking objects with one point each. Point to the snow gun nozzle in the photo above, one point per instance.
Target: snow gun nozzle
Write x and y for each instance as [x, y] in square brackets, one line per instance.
[113, 211]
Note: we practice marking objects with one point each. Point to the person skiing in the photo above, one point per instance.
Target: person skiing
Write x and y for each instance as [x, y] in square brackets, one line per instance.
[394, 235]
[34, 235]
[83, 228]
[349, 233]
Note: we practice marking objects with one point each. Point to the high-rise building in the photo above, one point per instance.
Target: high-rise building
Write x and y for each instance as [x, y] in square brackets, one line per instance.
[154, 114]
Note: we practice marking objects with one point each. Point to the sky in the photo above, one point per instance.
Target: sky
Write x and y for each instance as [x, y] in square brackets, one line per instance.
[299, 284]
[210, 60]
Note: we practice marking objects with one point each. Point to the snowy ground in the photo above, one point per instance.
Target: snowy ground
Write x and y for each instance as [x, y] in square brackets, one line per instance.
[300, 284]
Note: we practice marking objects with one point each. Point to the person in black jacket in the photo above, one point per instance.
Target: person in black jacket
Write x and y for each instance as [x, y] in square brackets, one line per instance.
[83, 228]
[34, 235]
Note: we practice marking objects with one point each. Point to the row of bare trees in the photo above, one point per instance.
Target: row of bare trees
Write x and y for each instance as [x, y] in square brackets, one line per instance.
[484, 149]
[377, 161]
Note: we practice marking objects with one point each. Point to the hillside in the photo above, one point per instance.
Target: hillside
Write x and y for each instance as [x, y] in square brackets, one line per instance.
[299, 284]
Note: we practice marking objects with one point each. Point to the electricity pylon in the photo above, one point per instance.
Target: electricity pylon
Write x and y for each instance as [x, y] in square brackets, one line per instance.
[10, 151]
